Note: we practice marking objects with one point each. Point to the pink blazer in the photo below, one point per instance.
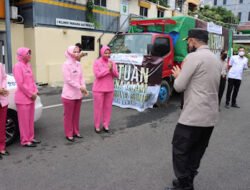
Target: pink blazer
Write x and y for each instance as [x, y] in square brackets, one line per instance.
[73, 77]
[26, 86]
[73, 81]
[104, 78]
[3, 84]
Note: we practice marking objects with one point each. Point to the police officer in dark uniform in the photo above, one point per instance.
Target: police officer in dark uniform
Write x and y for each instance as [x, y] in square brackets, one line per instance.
[199, 79]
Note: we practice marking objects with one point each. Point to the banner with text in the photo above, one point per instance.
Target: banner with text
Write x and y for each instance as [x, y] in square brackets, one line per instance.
[138, 84]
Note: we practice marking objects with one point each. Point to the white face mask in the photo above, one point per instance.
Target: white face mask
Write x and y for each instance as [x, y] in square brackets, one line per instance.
[241, 53]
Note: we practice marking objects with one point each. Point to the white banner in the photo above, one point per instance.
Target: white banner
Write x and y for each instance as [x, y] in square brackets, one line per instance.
[138, 85]
[213, 28]
[139, 97]
[74, 23]
[134, 59]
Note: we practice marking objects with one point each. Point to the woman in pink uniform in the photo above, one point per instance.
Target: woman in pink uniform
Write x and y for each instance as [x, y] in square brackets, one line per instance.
[3, 110]
[25, 97]
[73, 89]
[103, 89]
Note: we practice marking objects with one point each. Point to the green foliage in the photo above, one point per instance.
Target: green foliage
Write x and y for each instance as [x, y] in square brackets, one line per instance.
[90, 5]
[89, 13]
[219, 15]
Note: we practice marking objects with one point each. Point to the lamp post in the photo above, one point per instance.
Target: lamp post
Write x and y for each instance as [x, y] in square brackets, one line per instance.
[8, 36]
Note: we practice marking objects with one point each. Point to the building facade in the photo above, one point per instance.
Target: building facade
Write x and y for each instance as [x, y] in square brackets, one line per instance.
[48, 27]
[240, 8]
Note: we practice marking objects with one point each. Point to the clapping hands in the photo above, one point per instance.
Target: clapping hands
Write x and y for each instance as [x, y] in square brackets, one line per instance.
[110, 65]
[176, 71]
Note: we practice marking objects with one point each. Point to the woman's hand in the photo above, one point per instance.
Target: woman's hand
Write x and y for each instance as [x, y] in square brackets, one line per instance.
[110, 65]
[84, 91]
[33, 97]
[4, 92]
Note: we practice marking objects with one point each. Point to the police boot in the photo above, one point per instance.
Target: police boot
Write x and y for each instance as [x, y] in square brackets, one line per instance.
[176, 182]
[182, 184]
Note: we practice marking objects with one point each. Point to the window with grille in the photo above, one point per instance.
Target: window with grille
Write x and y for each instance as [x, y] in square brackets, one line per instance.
[160, 13]
[143, 11]
[239, 16]
[102, 3]
[88, 43]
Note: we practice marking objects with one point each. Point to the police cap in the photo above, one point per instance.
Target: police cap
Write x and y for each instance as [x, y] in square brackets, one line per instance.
[198, 33]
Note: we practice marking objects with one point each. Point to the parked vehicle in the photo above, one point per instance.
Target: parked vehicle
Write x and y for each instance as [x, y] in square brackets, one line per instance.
[12, 130]
[164, 38]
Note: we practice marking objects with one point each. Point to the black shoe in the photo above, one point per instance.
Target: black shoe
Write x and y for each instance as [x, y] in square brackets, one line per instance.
[227, 106]
[30, 145]
[179, 188]
[1, 157]
[97, 131]
[235, 106]
[78, 136]
[106, 130]
[185, 183]
[70, 139]
[6, 153]
[36, 141]
[176, 183]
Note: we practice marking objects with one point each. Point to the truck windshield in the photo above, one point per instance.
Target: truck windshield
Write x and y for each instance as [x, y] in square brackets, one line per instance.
[130, 43]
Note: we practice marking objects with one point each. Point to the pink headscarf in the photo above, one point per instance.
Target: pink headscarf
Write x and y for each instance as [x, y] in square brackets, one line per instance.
[103, 49]
[22, 54]
[69, 54]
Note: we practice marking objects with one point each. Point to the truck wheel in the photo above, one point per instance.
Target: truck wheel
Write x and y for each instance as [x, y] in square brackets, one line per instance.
[164, 94]
[12, 130]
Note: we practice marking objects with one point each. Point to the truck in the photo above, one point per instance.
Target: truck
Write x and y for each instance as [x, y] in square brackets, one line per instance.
[163, 38]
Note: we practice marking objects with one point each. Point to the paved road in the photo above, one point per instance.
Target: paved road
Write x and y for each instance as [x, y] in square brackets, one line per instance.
[136, 156]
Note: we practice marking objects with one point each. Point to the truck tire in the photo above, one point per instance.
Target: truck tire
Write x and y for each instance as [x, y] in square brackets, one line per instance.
[12, 129]
[164, 94]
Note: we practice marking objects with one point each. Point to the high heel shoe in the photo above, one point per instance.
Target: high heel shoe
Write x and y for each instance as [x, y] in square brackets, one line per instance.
[106, 130]
[30, 145]
[70, 139]
[36, 141]
[4, 153]
[78, 136]
[97, 131]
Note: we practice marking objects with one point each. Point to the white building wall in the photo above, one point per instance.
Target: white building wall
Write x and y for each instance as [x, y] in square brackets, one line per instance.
[234, 6]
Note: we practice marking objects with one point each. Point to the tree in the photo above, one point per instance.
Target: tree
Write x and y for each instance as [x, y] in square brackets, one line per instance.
[219, 15]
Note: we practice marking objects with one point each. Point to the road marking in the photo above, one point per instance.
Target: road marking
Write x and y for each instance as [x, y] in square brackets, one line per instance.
[58, 105]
